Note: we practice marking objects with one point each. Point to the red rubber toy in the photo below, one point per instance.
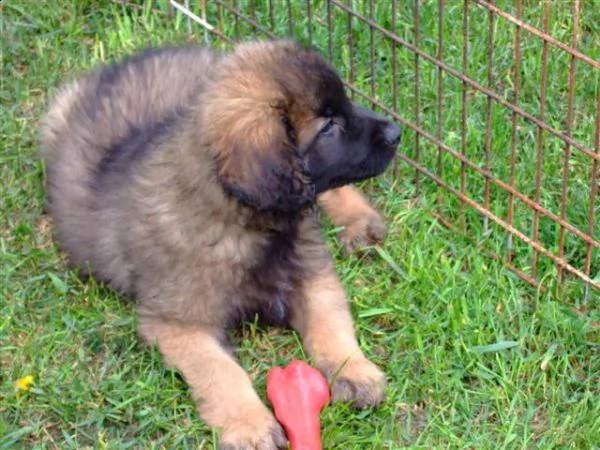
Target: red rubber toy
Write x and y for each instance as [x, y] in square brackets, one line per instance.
[298, 394]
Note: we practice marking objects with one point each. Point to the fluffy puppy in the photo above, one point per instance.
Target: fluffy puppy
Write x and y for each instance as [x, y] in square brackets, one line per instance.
[187, 179]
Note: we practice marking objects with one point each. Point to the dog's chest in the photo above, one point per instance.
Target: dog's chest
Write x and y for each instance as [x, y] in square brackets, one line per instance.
[269, 284]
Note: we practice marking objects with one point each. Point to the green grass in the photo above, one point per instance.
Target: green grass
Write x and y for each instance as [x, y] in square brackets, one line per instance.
[475, 358]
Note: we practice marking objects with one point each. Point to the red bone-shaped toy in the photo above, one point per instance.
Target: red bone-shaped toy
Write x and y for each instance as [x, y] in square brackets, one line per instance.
[298, 394]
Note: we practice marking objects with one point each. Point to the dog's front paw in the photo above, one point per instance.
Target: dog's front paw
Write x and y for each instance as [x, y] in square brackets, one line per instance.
[365, 231]
[254, 429]
[359, 382]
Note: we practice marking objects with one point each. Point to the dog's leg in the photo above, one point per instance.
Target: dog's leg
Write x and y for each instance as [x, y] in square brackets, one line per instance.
[348, 208]
[221, 389]
[321, 314]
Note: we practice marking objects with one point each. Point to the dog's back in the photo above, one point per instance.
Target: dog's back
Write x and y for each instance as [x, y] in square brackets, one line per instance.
[87, 124]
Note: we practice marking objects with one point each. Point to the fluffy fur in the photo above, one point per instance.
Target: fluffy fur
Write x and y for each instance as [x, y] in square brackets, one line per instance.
[187, 179]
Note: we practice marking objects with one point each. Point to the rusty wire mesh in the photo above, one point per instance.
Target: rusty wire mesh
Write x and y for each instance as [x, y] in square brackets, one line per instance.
[501, 101]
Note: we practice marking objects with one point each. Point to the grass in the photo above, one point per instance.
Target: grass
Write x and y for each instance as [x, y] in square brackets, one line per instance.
[475, 357]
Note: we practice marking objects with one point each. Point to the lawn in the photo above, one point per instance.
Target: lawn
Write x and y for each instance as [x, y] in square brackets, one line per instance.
[475, 357]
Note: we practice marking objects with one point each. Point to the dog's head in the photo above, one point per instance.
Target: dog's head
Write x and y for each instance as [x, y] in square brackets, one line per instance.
[284, 130]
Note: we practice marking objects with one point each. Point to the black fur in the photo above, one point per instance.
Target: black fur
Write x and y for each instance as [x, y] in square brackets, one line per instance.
[134, 148]
[274, 278]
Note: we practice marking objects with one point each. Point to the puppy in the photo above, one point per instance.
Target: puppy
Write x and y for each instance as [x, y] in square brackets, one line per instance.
[188, 180]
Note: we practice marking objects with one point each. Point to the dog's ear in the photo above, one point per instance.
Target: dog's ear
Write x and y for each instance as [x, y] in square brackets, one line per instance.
[261, 165]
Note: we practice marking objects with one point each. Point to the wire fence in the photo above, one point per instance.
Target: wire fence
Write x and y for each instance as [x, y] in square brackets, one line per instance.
[501, 101]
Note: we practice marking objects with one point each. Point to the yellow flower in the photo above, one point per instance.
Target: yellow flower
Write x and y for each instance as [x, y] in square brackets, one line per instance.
[23, 384]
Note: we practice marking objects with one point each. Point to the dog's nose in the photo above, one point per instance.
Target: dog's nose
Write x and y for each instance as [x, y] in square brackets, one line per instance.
[392, 134]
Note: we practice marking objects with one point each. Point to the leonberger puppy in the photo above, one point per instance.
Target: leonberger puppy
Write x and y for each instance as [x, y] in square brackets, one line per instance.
[190, 180]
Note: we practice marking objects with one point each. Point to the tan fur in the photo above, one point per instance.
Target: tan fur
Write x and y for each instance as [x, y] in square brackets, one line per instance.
[182, 179]
[226, 398]
[323, 320]
[347, 207]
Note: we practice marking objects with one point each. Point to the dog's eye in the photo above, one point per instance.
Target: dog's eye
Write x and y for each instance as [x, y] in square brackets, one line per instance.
[328, 127]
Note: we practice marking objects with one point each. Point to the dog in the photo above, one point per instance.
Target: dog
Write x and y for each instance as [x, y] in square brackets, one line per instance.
[191, 181]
